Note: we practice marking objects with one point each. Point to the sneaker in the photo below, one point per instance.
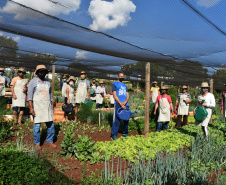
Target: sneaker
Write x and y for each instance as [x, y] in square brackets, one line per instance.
[124, 135]
[52, 145]
[114, 137]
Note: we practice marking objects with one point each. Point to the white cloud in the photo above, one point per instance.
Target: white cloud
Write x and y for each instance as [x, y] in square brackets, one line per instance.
[16, 38]
[81, 55]
[53, 7]
[1, 34]
[109, 15]
[207, 3]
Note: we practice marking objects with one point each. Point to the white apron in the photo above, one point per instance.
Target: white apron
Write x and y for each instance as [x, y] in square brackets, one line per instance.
[164, 110]
[21, 96]
[99, 99]
[42, 104]
[81, 92]
[94, 87]
[183, 109]
[206, 121]
[63, 91]
[154, 94]
[2, 86]
[71, 95]
[112, 100]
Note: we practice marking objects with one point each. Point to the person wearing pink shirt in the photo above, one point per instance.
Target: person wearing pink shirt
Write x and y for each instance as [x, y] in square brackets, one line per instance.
[164, 103]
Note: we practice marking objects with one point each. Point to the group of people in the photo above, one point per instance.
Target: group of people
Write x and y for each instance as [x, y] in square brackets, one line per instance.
[165, 106]
[38, 94]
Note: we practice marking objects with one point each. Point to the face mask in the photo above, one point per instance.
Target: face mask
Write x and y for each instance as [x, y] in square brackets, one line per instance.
[83, 77]
[71, 83]
[94, 83]
[155, 85]
[21, 74]
[101, 85]
[204, 90]
[121, 79]
[41, 76]
[1, 73]
[64, 80]
[163, 91]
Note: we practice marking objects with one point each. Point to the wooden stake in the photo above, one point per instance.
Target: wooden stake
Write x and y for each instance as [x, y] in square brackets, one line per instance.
[211, 85]
[53, 79]
[99, 119]
[147, 96]
[195, 92]
[137, 87]
[162, 84]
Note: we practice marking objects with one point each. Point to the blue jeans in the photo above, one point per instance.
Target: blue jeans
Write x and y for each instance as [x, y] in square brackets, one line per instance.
[50, 132]
[116, 123]
[161, 126]
[98, 106]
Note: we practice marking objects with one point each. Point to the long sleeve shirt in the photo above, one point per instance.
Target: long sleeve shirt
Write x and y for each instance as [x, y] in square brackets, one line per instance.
[99, 90]
[209, 100]
[223, 100]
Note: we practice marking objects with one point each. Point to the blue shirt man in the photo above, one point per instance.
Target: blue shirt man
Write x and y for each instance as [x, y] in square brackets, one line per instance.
[121, 96]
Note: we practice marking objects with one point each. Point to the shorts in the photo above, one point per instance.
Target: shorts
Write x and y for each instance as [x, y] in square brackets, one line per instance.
[21, 108]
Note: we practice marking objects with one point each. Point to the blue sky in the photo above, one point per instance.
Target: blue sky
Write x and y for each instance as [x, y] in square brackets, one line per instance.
[166, 26]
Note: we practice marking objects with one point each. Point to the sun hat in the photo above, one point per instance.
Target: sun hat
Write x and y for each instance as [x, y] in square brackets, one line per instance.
[22, 70]
[155, 82]
[163, 88]
[184, 87]
[1, 69]
[39, 67]
[71, 78]
[204, 84]
[101, 82]
[83, 72]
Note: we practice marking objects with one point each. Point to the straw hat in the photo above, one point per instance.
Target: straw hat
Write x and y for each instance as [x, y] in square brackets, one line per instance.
[83, 72]
[101, 82]
[163, 88]
[39, 67]
[184, 87]
[71, 78]
[22, 70]
[204, 84]
[1, 69]
[155, 82]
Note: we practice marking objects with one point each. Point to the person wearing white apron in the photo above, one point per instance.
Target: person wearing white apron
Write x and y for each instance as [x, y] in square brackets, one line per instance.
[223, 105]
[209, 103]
[94, 87]
[19, 89]
[112, 100]
[82, 92]
[164, 103]
[4, 82]
[41, 107]
[100, 94]
[70, 94]
[183, 99]
[154, 92]
[63, 85]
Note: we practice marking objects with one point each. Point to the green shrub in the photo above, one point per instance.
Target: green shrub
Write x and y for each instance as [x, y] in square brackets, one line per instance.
[82, 148]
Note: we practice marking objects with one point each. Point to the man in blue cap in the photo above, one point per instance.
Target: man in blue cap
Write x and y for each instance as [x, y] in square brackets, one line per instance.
[121, 96]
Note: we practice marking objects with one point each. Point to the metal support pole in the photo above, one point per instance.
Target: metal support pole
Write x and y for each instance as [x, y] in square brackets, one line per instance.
[147, 96]
[53, 79]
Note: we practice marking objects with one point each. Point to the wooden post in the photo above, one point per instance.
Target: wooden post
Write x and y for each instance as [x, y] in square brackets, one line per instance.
[147, 96]
[162, 84]
[99, 119]
[195, 92]
[137, 87]
[211, 85]
[53, 79]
